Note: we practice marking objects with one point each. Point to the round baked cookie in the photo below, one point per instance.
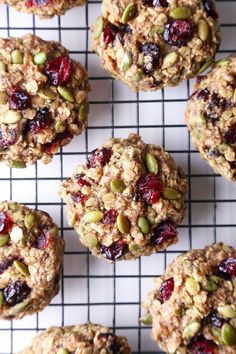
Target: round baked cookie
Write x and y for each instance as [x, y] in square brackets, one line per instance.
[31, 256]
[127, 200]
[211, 117]
[87, 338]
[43, 8]
[43, 99]
[193, 306]
[151, 44]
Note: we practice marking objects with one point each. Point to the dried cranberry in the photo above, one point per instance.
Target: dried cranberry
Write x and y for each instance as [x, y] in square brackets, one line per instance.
[200, 345]
[151, 53]
[5, 223]
[178, 32]
[214, 107]
[99, 157]
[16, 292]
[163, 232]
[37, 3]
[212, 152]
[9, 138]
[59, 70]
[230, 134]
[114, 347]
[19, 100]
[110, 33]
[81, 181]
[41, 121]
[78, 197]
[215, 320]
[150, 188]
[162, 3]
[227, 268]
[60, 140]
[43, 240]
[203, 94]
[166, 289]
[115, 251]
[109, 217]
[210, 8]
[6, 263]
[199, 78]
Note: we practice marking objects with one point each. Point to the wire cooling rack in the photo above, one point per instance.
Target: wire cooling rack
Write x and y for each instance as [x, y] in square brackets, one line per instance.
[91, 289]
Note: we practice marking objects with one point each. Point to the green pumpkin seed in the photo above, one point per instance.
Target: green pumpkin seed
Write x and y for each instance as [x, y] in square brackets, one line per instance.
[4, 239]
[203, 30]
[20, 307]
[156, 30]
[169, 60]
[98, 28]
[210, 286]
[62, 351]
[192, 286]
[30, 220]
[171, 194]
[1, 299]
[192, 329]
[215, 278]
[92, 241]
[227, 311]
[143, 224]
[48, 94]
[10, 117]
[3, 98]
[228, 333]
[123, 224]
[40, 58]
[3, 67]
[17, 164]
[117, 185]
[21, 268]
[139, 75]
[126, 61]
[205, 66]
[66, 94]
[133, 247]
[217, 334]
[234, 293]
[83, 110]
[16, 57]
[151, 163]
[147, 320]
[59, 126]
[181, 13]
[223, 62]
[93, 216]
[128, 13]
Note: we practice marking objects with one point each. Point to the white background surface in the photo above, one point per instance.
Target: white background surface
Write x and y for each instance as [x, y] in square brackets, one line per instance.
[92, 289]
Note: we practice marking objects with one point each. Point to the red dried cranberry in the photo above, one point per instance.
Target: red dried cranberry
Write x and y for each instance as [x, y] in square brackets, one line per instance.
[166, 289]
[115, 251]
[203, 94]
[5, 223]
[16, 292]
[41, 121]
[6, 263]
[162, 3]
[78, 197]
[178, 32]
[199, 78]
[163, 232]
[212, 152]
[60, 140]
[19, 100]
[200, 345]
[99, 157]
[59, 70]
[81, 181]
[110, 33]
[9, 138]
[114, 347]
[43, 240]
[227, 268]
[151, 53]
[215, 320]
[214, 107]
[37, 3]
[150, 188]
[230, 134]
[210, 8]
[109, 217]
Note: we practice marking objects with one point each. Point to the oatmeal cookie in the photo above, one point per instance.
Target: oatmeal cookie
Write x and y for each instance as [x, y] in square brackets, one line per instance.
[87, 338]
[151, 44]
[43, 99]
[31, 256]
[193, 306]
[127, 201]
[43, 8]
[211, 117]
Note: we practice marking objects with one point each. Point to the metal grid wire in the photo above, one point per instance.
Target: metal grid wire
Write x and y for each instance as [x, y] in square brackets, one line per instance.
[211, 200]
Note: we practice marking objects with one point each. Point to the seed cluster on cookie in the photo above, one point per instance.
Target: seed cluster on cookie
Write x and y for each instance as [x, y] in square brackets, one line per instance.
[193, 306]
[87, 338]
[43, 8]
[211, 117]
[151, 44]
[43, 99]
[127, 201]
[31, 256]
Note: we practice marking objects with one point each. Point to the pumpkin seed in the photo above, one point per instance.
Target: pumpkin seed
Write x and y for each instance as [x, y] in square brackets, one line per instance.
[181, 13]
[205, 66]
[215, 278]
[223, 62]
[143, 224]
[98, 27]
[234, 293]
[83, 110]
[171, 194]
[62, 351]
[21, 306]
[17, 164]
[66, 94]
[140, 59]
[147, 320]
[203, 30]
[21, 268]
[3, 98]
[16, 57]
[228, 333]
[10, 117]
[4, 239]
[217, 334]
[156, 30]
[92, 241]
[47, 93]
[117, 185]
[93, 216]
[1, 298]
[40, 58]
[30, 220]
[126, 61]
[210, 286]
[191, 330]
[169, 60]
[139, 75]
[123, 224]
[3, 66]
[59, 126]
[128, 13]
[192, 286]
[227, 311]
[151, 163]
[133, 247]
